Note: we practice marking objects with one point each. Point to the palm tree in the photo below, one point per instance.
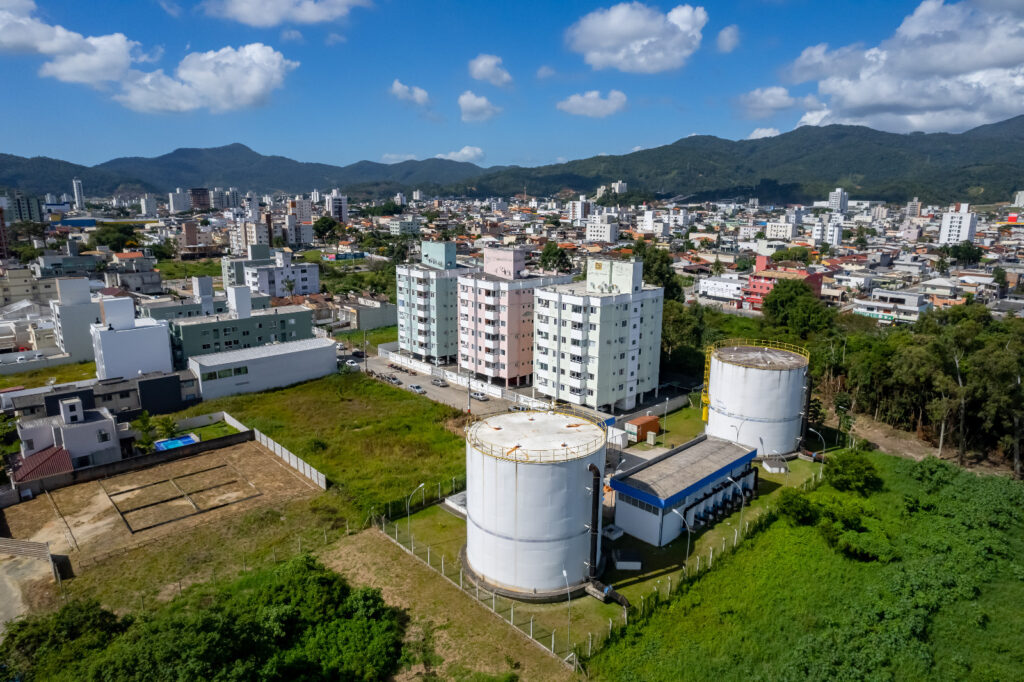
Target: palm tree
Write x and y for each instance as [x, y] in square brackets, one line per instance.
[166, 427]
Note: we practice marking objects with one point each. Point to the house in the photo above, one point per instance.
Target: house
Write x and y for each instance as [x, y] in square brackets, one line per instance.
[73, 439]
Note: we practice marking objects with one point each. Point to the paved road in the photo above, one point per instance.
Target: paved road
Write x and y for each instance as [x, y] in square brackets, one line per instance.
[450, 395]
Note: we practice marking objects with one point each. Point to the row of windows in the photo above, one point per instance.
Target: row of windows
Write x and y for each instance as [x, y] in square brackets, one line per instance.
[224, 373]
[639, 504]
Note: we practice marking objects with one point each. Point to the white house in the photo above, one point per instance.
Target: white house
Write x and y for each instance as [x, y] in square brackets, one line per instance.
[273, 280]
[73, 439]
[125, 346]
[251, 370]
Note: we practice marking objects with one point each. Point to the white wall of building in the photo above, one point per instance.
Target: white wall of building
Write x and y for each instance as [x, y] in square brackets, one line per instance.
[252, 370]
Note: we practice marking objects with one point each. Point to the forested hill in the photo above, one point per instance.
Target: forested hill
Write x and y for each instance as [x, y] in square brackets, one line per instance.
[982, 165]
[233, 165]
[985, 164]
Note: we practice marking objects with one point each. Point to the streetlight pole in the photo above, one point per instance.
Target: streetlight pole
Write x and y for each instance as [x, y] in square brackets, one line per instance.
[568, 609]
[823, 445]
[688, 532]
[743, 498]
[408, 502]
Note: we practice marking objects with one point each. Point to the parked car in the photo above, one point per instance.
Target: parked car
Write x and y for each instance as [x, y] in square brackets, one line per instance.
[440, 382]
[477, 395]
[351, 363]
[416, 388]
[358, 354]
[518, 408]
[339, 345]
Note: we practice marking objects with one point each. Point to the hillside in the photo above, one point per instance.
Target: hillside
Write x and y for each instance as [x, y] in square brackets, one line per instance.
[985, 164]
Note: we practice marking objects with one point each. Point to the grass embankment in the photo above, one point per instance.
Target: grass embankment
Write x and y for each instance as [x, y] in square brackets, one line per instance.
[177, 269]
[39, 377]
[374, 337]
[924, 583]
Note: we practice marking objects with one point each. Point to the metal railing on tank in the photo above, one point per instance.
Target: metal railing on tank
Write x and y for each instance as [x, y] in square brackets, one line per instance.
[516, 453]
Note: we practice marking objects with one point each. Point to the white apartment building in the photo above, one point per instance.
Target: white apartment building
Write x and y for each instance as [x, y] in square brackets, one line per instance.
[283, 278]
[580, 210]
[838, 201]
[125, 346]
[74, 312]
[780, 230]
[619, 187]
[830, 232]
[399, 225]
[598, 342]
[76, 186]
[336, 206]
[603, 228]
[958, 225]
[651, 224]
[301, 208]
[1018, 199]
[428, 305]
[892, 307]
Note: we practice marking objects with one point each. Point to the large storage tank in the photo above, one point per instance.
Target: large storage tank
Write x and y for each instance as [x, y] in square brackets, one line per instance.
[756, 395]
[529, 500]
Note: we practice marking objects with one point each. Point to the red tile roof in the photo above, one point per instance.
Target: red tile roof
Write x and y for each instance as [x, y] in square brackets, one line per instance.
[49, 462]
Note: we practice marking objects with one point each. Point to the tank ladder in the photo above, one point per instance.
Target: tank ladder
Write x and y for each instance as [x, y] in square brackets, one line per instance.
[705, 394]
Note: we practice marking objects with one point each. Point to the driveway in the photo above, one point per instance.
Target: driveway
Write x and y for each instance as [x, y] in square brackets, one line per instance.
[452, 395]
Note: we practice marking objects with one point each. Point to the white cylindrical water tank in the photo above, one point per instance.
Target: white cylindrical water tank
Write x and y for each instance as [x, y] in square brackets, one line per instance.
[529, 499]
[757, 397]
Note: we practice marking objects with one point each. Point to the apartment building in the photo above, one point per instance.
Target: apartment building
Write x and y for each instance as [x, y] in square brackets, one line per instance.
[74, 312]
[428, 305]
[125, 346]
[603, 228]
[597, 342]
[240, 327]
[232, 270]
[958, 225]
[765, 277]
[202, 289]
[19, 284]
[496, 317]
[283, 278]
[780, 230]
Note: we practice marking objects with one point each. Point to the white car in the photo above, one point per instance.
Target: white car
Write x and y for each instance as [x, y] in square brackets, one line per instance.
[477, 395]
[351, 363]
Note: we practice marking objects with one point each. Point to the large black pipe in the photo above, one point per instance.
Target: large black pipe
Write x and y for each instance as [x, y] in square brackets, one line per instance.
[610, 593]
[595, 511]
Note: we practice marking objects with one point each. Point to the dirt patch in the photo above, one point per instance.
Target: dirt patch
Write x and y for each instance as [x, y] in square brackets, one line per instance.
[464, 634]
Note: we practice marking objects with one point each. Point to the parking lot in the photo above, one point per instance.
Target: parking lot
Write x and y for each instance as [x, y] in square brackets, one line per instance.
[449, 395]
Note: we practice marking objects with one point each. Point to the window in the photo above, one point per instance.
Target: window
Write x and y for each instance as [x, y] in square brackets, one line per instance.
[102, 436]
[29, 445]
[241, 370]
[209, 376]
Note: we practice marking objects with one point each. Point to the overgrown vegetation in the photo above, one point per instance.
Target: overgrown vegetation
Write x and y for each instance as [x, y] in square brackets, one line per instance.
[183, 269]
[40, 377]
[294, 621]
[921, 579]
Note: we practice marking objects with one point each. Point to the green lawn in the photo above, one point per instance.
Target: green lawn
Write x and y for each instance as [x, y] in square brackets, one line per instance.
[215, 430]
[374, 337]
[681, 426]
[39, 377]
[176, 269]
[445, 534]
[374, 442]
[788, 605]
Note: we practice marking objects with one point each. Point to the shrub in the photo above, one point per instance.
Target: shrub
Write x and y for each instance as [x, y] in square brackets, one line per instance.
[796, 507]
[852, 471]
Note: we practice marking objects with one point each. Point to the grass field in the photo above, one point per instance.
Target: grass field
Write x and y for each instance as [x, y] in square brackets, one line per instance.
[374, 442]
[929, 589]
[176, 269]
[681, 426]
[215, 430]
[39, 377]
[374, 337]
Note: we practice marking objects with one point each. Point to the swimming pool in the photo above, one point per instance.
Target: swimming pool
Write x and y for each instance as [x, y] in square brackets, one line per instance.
[180, 441]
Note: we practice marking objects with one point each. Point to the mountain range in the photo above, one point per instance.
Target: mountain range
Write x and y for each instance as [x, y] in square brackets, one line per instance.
[985, 164]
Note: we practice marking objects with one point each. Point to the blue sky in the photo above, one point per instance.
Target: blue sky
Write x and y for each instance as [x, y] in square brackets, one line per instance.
[315, 80]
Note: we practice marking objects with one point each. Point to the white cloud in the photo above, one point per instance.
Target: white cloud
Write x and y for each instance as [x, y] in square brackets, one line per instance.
[171, 7]
[635, 38]
[487, 67]
[291, 35]
[545, 72]
[218, 80]
[476, 107]
[334, 38]
[592, 104]
[638, 148]
[230, 78]
[945, 67]
[728, 38]
[266, 13]
[759, 133]
[396, 158]
[467, 153]
[409, 93]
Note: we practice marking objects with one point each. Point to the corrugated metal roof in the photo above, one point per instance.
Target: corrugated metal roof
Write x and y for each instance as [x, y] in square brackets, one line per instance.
[270, 350]
[49, 462]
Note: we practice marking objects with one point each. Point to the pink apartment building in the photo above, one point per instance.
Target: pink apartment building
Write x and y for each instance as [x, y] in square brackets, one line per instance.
[496, 317]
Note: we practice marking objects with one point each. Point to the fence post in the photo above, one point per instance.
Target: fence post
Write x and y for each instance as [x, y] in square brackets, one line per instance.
[442, 564]
[325, 535]
[531, 627]
[492, 603]
[512, 613]
[711, 556]
[460, 578]
[552, 641]
[590, 643]
[428, 556]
